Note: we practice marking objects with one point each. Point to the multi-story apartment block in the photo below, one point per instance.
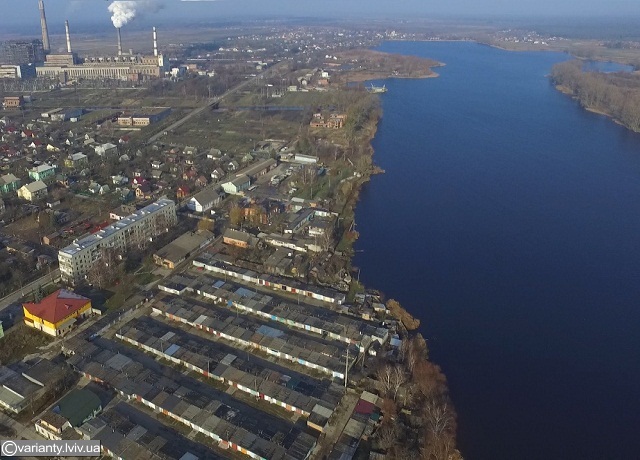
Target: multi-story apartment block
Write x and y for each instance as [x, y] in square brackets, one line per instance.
[132, 232]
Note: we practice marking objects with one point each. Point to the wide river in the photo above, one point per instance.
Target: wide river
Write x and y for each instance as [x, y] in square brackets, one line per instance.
[508, 221]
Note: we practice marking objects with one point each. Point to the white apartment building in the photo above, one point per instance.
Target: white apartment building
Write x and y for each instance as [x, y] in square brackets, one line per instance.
[76, 259]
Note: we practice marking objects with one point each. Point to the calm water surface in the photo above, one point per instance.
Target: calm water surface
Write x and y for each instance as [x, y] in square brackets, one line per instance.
[508, 220]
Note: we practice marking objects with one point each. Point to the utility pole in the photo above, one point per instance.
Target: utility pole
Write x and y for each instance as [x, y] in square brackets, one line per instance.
[346, 369]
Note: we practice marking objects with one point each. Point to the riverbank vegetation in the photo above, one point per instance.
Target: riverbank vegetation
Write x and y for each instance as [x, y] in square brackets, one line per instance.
[613, 94]
[397, 311]
[419, 420]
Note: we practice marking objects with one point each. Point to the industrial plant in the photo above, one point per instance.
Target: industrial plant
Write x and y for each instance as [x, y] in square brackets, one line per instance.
[69, 66]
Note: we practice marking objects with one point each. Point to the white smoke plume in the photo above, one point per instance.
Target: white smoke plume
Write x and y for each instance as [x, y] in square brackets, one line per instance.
[123, 12]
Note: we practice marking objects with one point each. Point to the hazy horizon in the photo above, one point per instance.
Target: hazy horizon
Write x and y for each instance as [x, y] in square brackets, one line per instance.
[22, 15]
[618, 19]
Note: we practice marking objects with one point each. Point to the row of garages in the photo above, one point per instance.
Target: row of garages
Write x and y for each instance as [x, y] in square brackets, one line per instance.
[318, 320]
[171, 347]
[187, 405]
[246, 332]
[210, 263]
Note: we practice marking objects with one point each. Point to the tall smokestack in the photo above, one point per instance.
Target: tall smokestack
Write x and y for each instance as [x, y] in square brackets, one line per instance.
[119, 42]
[43, 25]
[66, 28]
[155, 42]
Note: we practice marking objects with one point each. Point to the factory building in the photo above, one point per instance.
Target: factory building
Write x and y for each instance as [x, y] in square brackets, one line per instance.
[132, 231]
[21, 52]
[123, 66]
[17, 71]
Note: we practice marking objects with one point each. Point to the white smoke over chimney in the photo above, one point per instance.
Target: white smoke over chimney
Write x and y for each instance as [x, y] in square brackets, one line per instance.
[124, 11]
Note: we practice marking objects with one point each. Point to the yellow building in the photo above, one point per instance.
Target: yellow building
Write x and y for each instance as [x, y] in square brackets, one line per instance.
[57, 313]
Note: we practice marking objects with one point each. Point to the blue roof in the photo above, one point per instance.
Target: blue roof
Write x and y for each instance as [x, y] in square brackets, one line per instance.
[172, 349]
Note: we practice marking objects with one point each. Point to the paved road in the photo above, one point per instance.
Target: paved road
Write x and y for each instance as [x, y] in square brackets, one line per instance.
[212, 102]
[336, 425]
[22, 431]
[16, 295]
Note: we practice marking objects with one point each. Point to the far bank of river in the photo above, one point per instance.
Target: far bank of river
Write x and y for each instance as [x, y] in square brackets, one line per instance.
[506, 221]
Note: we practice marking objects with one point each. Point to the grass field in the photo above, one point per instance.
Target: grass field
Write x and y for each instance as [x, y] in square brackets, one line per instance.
[19, 342]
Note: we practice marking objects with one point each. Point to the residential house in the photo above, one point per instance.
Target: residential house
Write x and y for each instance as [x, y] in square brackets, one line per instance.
[52, 426]
[190, 150]
[182, 247]
[190, 174]
[157, 164]
[237, 185]
[119, 180]
[217, 174]
[143, 191]
[138, 181]
[98, 189]
[127, 195]
[236, 238]
[33, 191]
[121, 212]
[204, 200]
[57, 313]
[182, 191]
[13, 102]
[76, 161]
[42, 172]
[201, 181]
[24, 250]
[106, 150]
[9, 183]
[233, 166]
[79, 406]
[334, 120]
[214, 154]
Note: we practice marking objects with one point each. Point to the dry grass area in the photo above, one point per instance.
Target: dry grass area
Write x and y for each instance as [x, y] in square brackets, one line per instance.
[370, 65]
[19, 342]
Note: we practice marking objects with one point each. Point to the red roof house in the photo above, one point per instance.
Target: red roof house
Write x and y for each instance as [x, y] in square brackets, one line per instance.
[56, 313]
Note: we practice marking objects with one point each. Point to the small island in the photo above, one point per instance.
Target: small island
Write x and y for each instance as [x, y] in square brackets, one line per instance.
[369, 64]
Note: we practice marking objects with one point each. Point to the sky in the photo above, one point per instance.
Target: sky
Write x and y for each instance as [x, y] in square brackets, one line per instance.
[24, 13]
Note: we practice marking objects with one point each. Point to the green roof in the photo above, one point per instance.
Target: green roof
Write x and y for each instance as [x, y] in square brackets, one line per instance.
[79, 405]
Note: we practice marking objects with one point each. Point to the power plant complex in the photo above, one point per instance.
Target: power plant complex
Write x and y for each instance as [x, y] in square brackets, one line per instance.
[68, 66]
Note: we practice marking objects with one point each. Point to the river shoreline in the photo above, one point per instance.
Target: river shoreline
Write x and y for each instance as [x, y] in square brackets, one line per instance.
[429, 375]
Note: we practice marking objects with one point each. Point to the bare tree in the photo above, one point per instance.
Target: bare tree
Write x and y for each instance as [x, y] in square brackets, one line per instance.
[385, 377]
[440, 430]
[391, 378]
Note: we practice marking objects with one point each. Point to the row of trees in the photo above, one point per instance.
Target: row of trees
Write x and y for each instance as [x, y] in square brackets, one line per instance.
[418, 415]
[616, 94]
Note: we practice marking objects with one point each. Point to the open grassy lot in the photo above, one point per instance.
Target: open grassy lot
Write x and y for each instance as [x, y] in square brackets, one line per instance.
[235, 131]
[19, 342]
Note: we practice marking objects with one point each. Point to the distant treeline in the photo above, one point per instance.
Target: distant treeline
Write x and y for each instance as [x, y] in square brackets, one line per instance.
[616, 94]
